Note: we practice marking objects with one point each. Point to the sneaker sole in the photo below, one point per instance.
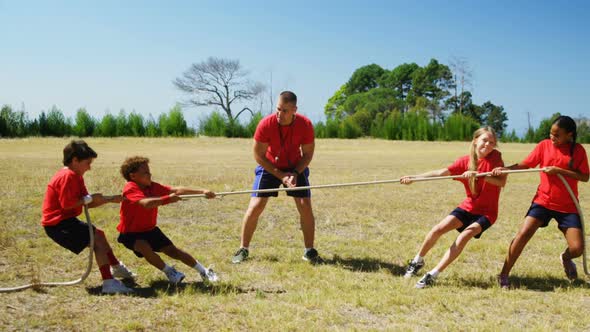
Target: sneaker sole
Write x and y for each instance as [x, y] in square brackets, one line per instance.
[237, 261]
[311, 260]
[124, 277]
[118, 292]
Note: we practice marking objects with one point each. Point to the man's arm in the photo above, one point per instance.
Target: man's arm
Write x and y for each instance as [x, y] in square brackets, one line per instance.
[260, 157]
[307, 155]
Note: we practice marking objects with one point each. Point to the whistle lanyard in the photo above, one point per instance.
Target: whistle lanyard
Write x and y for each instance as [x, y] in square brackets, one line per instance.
[283, 140]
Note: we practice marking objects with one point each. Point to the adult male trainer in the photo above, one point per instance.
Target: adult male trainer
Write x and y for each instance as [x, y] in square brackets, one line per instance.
[283, 148]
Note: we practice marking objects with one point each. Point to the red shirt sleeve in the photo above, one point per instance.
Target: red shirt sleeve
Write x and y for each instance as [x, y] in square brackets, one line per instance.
[580, 159]
[70, 192]
[160, 190]
[262, 135]
[535, 157]
[459, 166]
[133, 193]
[309, 135]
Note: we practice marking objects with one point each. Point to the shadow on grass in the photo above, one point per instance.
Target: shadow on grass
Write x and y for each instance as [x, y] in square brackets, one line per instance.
[541, 284]
[161, 288]
[366, 264]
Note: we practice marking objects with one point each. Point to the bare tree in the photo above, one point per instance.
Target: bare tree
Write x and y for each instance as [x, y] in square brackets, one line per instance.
[218, 82]
[462, 75]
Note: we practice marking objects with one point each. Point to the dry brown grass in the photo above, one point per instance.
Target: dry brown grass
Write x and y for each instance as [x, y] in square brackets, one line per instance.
[365, 234]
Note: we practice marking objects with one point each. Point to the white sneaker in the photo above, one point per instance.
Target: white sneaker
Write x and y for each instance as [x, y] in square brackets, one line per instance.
[114, 286]
[209, 275]
[121, 271]
[174, 276]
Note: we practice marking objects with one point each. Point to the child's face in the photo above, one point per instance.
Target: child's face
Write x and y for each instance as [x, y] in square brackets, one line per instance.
[485, 144]
[559, 136]
[142, 177]
[80, 166]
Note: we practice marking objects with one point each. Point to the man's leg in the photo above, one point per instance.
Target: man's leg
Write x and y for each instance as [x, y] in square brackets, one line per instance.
[307, 219]
[250, 221]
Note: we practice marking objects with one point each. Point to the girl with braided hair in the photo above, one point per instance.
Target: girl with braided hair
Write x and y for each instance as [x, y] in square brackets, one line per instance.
[559, 154]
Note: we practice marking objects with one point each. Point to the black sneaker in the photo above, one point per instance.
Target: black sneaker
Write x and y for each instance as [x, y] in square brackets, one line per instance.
[569, 267]
[427, 280]
[312, 256]
[413, 268]
[240, 256]
[503, 281]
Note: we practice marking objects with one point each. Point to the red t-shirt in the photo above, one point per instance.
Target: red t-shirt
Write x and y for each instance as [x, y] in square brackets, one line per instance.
[551, 192]
[65, 188]
[134, 217]
[486, 201]
[284, 142]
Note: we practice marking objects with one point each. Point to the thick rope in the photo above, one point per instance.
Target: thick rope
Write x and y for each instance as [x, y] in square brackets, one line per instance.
[577, 203]
[65, 283]
[433, 178]
[91, 232]
[350, 184]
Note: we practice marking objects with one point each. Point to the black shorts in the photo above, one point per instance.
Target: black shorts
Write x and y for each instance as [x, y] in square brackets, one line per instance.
[155, 238]
[467, 218]
[564, 220]
[265, 180]
[71, 234]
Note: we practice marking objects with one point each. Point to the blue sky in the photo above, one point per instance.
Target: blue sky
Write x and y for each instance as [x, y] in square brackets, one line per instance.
[529, 56]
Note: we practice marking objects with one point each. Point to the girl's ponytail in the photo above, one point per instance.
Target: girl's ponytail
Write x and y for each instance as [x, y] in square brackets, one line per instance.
[569, 125]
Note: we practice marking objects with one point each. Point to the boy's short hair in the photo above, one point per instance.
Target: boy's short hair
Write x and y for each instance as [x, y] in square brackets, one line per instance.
[77, 149]
[289, 97]
[131, 165]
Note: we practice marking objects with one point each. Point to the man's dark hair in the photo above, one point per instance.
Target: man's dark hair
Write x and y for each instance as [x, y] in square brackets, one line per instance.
[289, 97]
[77, 149]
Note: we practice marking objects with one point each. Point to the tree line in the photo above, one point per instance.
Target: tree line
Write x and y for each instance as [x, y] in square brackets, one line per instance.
[397, 126]
[54, 123]
[408, 102]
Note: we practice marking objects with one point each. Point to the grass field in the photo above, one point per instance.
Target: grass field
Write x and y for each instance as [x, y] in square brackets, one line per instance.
[365, 234]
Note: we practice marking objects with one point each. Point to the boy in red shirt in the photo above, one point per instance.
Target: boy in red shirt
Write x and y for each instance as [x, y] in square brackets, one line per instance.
[560, 154]
[66, 194]
[139, 212]
[475, 214]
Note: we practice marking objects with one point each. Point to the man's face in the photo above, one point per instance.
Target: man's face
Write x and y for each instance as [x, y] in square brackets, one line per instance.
[285, 112]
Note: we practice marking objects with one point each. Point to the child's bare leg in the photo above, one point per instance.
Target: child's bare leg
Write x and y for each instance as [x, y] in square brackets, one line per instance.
[101, 248]
[457, 246]
[575, 242]
[523, 236]
[144, 248]
[178, 254]
[449, 223]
